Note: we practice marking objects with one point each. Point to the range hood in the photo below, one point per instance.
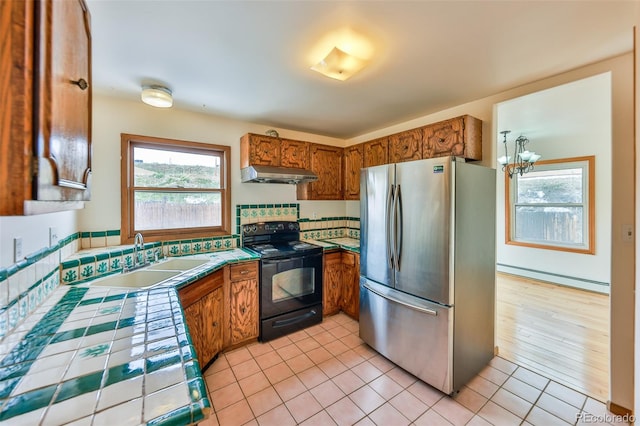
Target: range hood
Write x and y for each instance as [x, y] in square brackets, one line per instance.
[271, 174]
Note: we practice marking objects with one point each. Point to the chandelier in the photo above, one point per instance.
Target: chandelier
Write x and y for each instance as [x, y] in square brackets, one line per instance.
[523, 160]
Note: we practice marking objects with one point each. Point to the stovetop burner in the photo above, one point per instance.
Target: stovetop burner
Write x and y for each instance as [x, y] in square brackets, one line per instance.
[276, 239]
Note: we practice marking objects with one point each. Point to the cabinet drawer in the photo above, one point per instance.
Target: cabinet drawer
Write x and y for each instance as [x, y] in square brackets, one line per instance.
[197, 290]
[244, 271]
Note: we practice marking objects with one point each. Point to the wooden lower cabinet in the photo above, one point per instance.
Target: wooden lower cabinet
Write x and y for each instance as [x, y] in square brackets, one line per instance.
[332, 283]
[351, 284]
[203, 309]
[221, 310]
[243, 303]
[341, 289]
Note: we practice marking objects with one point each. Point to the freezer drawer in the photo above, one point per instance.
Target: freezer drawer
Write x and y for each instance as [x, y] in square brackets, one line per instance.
[413, 333]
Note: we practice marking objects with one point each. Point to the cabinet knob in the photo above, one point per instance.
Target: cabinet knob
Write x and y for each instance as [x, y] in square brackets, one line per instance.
[215, 323]
[82, 83]
[243, 309]
[244, 272]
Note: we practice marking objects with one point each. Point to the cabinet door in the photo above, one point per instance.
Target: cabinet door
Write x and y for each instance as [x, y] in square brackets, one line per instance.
[332, 283]
[444, 138]
[353, 162]
[211, 313]
[244, 310]
[63, 93]
[376, 152]
[259, 150]
[294, 154]
[326, 162]
[193, 317]
[202, 304]
[16, 138]
[405, 146]
[350, 284]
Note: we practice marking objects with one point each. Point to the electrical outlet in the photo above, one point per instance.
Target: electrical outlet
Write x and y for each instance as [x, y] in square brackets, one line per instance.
[314, 215]
[53, 236]
[17, 249]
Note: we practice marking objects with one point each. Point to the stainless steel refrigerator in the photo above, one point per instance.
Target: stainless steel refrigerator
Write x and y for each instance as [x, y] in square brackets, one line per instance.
[427, 267]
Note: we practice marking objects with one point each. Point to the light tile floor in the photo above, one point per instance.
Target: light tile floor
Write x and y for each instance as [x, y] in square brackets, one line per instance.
[326, 375]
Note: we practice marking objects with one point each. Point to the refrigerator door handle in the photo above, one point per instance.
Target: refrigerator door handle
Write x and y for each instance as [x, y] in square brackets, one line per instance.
[398, 232]
[400, 302]
[388, 226]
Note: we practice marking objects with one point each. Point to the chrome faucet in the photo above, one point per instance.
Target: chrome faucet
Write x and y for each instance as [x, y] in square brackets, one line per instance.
[138, 244]
[138, 258]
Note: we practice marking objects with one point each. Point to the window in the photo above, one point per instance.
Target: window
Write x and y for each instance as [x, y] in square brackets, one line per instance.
[552, 206]
[173, 189]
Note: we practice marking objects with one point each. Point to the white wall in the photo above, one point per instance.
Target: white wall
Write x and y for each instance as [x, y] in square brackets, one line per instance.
[571, 120]
[34, 231]
[115, 116]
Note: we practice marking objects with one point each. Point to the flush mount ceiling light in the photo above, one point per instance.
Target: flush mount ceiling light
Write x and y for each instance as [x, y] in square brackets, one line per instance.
[157, 96]
[341, 53]
[339, 65]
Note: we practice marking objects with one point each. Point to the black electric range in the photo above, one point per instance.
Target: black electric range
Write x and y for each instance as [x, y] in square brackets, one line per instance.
[290, 277]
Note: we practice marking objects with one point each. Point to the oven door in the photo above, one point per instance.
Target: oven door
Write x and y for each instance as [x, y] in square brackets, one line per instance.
[290, 284]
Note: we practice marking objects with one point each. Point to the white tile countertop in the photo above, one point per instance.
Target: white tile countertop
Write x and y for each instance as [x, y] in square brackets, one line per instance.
[351, 244]
[107, 356]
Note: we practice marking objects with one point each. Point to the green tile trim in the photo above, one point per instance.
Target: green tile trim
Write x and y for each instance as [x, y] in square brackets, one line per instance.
[29, 401]
[99, 328]
[197, 389]
[124, 372]
[113, 233]
[79, 385]
[178, 417]
[160, 361]
[7, 386]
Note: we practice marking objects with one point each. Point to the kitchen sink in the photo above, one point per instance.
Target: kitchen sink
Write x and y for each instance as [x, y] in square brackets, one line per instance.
[136, 279]
[177, 264]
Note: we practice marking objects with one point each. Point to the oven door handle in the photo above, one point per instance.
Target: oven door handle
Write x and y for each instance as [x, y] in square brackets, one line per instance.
[289, 259]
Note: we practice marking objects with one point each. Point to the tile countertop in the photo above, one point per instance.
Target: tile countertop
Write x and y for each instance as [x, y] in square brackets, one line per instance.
[105, 356]
[351, 244]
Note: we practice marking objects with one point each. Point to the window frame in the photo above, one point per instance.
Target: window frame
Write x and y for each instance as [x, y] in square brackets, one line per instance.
[127, 190]
[589, 206]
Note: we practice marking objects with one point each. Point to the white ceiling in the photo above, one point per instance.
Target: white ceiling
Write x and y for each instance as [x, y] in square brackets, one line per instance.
[248, 60]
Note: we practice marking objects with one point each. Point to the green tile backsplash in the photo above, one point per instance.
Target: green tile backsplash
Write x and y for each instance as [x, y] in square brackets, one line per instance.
[26, 284]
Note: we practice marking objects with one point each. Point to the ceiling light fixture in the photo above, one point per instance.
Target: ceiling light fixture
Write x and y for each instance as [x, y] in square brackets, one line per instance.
[157, 96]
[344, 52]
[523, 160]
[339, 65]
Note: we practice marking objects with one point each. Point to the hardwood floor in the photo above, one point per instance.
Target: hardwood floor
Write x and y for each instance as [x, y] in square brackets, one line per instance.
[560, 332]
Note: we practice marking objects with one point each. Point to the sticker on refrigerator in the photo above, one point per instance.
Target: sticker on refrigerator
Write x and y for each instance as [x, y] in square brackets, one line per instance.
[438, 169]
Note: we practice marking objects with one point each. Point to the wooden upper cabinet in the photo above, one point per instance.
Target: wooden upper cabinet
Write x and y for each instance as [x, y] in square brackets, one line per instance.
[294, 154]
[376, 152]
[405, 146]
[259, 150]
[326, 162]
[353, 162]
[63, 90]
[460, 137]
[46, 143]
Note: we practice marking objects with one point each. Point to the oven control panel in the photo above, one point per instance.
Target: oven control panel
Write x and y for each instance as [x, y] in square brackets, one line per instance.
[264, 228]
